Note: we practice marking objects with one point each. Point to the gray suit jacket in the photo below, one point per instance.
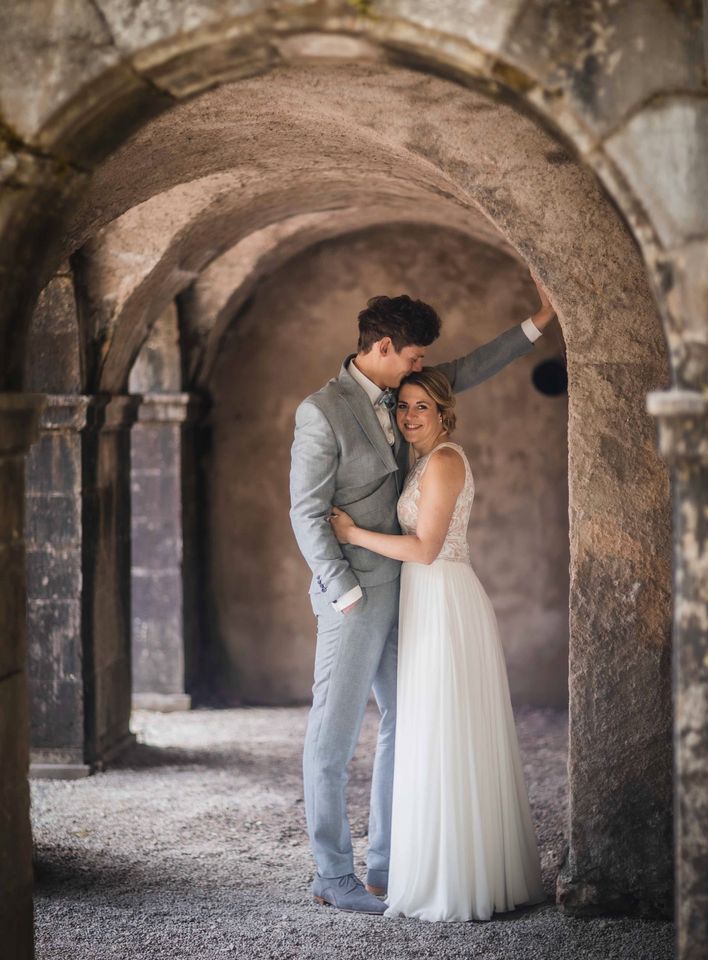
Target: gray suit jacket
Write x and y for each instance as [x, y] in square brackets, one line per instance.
[340, 457]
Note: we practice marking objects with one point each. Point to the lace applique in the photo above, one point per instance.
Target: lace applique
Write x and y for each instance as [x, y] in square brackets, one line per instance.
[455, 545]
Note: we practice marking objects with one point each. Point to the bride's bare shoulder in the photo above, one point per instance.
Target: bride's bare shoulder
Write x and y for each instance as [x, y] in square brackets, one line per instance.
[446, 467]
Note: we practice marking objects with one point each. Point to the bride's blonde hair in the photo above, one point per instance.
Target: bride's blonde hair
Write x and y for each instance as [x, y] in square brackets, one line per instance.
[437, 386]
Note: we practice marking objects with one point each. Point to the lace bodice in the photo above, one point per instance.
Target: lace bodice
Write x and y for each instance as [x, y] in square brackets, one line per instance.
[455, 545]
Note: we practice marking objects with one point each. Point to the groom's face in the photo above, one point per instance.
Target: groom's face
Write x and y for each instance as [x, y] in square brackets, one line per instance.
[395, 365]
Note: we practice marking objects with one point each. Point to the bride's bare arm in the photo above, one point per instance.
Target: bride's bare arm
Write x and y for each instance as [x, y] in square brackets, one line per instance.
[442, 481]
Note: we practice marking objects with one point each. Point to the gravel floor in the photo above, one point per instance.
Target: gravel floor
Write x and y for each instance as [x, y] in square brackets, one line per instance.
[195, 847]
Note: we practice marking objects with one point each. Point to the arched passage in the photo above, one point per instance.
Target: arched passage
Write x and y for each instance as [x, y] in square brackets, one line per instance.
[288, 340]
[209, 47]
[502, 180]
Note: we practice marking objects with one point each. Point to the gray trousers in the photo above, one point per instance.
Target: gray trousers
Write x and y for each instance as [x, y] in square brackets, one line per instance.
[356, 652]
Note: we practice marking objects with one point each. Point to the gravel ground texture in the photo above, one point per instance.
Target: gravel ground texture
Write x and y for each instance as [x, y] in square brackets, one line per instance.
[194, 846]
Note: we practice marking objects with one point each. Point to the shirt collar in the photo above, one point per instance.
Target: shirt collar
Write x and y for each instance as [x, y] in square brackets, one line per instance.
[373, 392]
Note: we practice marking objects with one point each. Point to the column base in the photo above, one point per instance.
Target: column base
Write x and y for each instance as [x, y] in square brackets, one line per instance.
[59, 771]
[162, 702]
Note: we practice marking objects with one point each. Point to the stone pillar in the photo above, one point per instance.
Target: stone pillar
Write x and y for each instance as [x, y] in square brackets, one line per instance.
[106, 574]
[19, 417]
[54, 497]
[162, 618]
[78, 504]
[683, 441]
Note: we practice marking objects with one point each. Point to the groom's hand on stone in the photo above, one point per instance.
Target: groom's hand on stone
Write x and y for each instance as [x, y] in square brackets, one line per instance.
[542, 317]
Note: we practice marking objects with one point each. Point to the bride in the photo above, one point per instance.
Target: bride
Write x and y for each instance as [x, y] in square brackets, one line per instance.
[462, 841]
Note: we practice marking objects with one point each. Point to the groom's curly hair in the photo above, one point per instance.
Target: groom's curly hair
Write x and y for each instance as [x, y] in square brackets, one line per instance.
[407, 322]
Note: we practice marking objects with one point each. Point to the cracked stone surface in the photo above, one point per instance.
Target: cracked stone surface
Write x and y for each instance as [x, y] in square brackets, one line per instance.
[195, 846]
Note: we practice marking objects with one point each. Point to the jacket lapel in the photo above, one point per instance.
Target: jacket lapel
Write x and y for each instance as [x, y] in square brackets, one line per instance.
[360, 405]
[402, 452]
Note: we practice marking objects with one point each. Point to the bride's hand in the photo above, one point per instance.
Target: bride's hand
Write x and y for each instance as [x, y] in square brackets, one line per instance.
[341, 523]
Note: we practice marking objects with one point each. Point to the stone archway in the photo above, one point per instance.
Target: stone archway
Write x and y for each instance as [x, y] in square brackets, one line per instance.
[535, 202]
[498, 54]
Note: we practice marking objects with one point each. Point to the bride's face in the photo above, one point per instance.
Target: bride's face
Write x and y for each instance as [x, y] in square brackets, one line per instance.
[417, 415]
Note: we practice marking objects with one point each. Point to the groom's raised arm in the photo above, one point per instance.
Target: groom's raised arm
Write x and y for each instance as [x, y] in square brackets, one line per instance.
[490, 358]
[315, 457]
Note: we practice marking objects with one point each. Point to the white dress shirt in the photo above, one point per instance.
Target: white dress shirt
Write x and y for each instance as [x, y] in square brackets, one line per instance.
[374, 394]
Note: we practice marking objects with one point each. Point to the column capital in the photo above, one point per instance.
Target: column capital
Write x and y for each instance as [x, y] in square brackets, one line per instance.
[108, 412]
[74, 412]
[169, 407]
[19, 421]
[683, 417]
[65, 412]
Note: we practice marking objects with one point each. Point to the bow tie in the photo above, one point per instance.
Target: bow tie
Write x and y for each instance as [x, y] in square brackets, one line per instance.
[388, 399]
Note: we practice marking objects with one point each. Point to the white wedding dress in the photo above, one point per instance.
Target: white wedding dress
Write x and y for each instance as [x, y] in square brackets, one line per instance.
[462, 841]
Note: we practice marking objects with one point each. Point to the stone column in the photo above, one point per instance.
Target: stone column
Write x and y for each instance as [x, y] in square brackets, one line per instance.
[683, 441]
[78, 504]
[19, 417]
[54, 498]
[106, 576]
[162, 634]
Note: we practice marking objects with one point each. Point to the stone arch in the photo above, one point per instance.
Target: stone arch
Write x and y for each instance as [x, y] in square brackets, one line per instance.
[135, 78]
[59, 137]
[615, 355]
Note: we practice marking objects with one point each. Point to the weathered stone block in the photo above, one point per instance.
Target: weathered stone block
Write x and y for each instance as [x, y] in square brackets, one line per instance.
[483, 23]
[54, 465]
[53, 361]
[152, 445]
[53, 519]
[50, 51]
[685, 291]
[156, 545]
[158, 366]
[606, 59]
[136, 25]
[53, 574]
[158, 658]
[56, 650]
[667, 142]
[56, 674]
[158, 495]
[158, 598]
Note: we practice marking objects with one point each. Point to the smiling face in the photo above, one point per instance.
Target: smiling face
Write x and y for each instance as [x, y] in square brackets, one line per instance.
[418, 416]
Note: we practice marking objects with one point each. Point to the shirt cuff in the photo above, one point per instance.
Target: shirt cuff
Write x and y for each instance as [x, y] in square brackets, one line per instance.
[348, 598]
[531, 330]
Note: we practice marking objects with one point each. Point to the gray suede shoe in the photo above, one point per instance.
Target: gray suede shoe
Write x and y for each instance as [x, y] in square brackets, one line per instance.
[345, 893]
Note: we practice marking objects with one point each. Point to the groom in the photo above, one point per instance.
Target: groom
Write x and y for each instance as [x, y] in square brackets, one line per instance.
[348, 453]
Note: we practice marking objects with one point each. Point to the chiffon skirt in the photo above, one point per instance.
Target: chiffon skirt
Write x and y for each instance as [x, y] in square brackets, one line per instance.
[462, 841]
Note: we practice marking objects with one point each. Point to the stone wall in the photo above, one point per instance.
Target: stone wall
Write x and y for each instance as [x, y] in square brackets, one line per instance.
[625, 85]
[287, 343]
